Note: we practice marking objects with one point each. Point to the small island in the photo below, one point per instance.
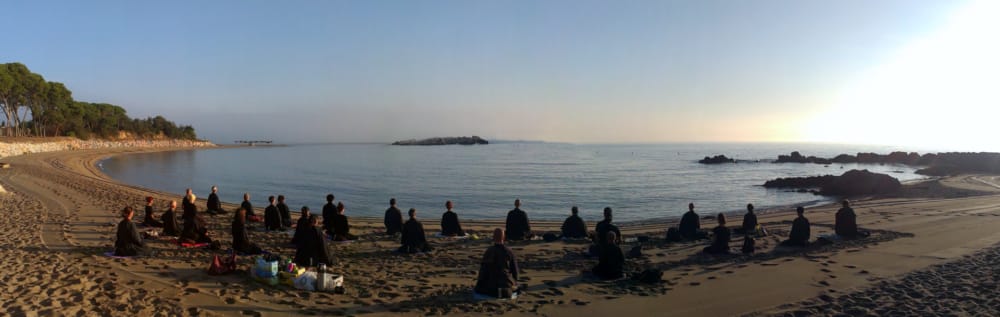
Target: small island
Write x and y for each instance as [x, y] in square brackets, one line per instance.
[462, 140]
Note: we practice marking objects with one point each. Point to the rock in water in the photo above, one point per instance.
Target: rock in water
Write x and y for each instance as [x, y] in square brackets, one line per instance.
[718, 159]
[851, 183]
[463, 140]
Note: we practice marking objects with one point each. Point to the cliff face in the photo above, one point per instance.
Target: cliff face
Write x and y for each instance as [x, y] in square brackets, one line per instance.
[463, 140]
[35, 146]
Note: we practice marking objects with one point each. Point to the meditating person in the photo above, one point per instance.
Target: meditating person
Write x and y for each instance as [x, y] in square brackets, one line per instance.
[150, 220]
[611, 260]
[413, 239]
[302, 225]
[195, 229]
[329, 212]
[393, 218]
[246, 205]
[518, 226]
[749, 222]
[284, 212]
[241, 240]
[311, 248]
[272, 219]
[799, 237]
[341, 227]
[169, 219]
[574, 227]
[721, 237]
[846, 222]
[127, 241]
[450, 227]
[690, 226]
[604, 227]
[214, 205]
[498, 269]
[187, 203]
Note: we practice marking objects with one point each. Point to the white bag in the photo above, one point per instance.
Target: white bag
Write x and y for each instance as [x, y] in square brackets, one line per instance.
[306, 281]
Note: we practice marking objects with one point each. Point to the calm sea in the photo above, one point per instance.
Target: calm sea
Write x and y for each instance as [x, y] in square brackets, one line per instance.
[640, 182]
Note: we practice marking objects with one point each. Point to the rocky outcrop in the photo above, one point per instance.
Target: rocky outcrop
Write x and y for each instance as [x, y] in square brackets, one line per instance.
[935, 164]
[851, 183]
[718, 159]
[463, 140]
[69, 144]
[797, 157]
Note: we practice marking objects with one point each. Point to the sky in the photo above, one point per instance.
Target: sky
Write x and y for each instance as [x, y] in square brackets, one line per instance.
[855, 71]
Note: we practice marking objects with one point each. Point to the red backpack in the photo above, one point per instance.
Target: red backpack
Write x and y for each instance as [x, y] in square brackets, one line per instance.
[221, 266]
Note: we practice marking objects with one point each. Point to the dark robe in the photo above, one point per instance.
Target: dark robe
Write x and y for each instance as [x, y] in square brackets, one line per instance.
[286, 215]
[272, 219]
[341, 228]
[690, 226]
[393, 221]
[213, 206]
[301, 226]
[246, 205]
[311, 250]
[149, 220]
[574, 227]
[800, 233]
[497, 270]
[188, 206]
[518, 227]
[450, 225]
[602, 228]
[241, 240]
[413, 238]
[329, 212]
[749, 224]
[170, 227]
[195, 230]
[846, 223]
[611, 262]
[720, 244]
[128, 242]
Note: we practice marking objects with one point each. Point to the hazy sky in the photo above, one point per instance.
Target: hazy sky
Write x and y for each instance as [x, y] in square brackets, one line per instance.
[576, 71]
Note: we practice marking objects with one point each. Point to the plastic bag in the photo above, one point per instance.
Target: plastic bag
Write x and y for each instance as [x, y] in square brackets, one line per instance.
[306, 281]
[265, 268]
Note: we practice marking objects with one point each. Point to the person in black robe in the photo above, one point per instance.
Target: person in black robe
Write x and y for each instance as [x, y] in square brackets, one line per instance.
[690, 226]
[169, 219]
[311, 249]
[302, 225]
[846, 222]
[413, 239]
[241, 240]
[329, 212]
[127, 240]
[799, 237]
[284, 212]
[611, 260]
[150, 219]
[272, 218]
[518, 226]
[393, 219]
[188, 202]
[214, 205]
[498, 269]
[450, 227]
[720, 242]
[749, 226]
[602, 228]
[246, 205]
[195, 230]
[341, 227]
[574, 227]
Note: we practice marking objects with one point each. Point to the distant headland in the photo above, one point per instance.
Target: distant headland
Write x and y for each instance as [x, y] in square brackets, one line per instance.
[462, 140]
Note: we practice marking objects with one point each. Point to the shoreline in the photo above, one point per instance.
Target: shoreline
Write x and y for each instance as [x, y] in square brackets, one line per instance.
[78, 202]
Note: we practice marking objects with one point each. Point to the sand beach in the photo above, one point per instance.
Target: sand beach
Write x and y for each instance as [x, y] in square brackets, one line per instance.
[933, 250]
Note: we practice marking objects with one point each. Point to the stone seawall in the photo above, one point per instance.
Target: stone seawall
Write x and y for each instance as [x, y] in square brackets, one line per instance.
[20, 148]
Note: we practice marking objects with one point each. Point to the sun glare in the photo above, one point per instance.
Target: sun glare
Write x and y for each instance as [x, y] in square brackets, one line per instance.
[939, 92]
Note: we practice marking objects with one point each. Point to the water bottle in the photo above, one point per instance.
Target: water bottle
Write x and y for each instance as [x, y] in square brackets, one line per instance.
[321, 277]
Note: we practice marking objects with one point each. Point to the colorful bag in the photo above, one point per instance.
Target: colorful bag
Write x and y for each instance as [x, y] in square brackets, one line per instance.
[221, 266]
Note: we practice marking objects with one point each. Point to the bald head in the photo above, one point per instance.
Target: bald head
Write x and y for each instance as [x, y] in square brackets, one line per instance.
[517, 203]
[612, 236]
[498, 236]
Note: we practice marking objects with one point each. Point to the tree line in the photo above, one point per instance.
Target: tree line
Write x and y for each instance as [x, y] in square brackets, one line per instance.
[34, 107]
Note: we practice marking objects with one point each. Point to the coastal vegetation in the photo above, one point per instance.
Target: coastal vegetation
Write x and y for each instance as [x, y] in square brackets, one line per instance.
[463, 140]
[32, 106]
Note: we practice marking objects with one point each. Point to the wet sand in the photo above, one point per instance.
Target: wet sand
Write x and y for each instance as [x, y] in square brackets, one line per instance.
[935, 236]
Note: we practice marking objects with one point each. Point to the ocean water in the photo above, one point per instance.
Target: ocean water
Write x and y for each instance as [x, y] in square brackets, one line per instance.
[640, 182]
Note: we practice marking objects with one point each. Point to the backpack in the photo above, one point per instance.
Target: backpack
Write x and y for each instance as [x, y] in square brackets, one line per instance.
[650, 276]
[636, 252]
[220, 266]
[673, 235]
[549, 237]
[748, 244]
